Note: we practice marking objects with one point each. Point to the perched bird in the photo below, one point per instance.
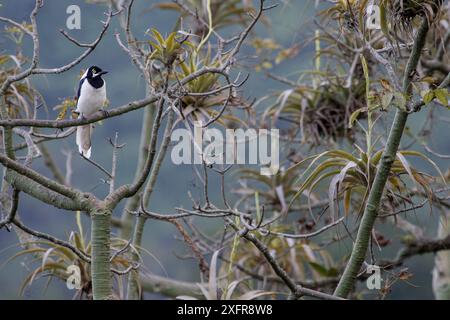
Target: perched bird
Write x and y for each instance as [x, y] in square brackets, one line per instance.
[91, 98]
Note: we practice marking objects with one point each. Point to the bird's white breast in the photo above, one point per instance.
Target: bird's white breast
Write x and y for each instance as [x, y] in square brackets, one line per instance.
[91, 99]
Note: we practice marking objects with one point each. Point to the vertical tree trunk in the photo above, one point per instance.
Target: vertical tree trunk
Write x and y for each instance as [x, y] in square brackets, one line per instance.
[100, 264]
[370, 213]
[441, 271]
[359, 251]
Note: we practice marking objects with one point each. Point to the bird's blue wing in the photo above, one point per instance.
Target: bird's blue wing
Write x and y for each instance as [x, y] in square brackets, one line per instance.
[79, 87]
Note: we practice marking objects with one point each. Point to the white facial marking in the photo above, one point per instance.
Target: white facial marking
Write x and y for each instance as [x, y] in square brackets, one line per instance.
[84, 74]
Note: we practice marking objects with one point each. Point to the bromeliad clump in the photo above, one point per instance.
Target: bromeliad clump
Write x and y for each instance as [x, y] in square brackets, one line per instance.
[403, 12]
[322, 112]
[198, 96]
[406, 10]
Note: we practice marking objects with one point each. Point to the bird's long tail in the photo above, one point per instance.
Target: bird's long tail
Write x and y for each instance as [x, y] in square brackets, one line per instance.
[83, 140]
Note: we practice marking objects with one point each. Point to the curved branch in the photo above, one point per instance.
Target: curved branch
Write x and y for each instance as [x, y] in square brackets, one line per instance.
[83, 256]
[41, 193]
[296, 289]
[131, 189]
[37, 177]
[90, 47]
[59, 124]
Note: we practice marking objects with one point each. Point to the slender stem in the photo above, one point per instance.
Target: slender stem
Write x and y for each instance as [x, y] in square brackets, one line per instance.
[129, 190]
[441, 271]
[51, 164]
[133, 281]
[133, 202]
[159, 159]
[133, 288]
[296, 289]
[116, 148]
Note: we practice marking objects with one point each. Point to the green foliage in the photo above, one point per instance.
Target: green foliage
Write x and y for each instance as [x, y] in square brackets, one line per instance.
[19, 97]
[16, 34]
[54, 261]
[66, 105]
[167, 50]
[320, 111]
[352, 176]
[183, 59]
[441, 95]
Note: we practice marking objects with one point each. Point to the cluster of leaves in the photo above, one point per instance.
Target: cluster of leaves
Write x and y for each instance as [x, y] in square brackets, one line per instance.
[383, 96]
[16, 34]
[200, 107]
[440, 94]
[271, 53]
[57, 261]
[182, 59]
[217, 287]
[404, 11]
[223, 13]
[167, 50]
[275, 191]
[351, 177]
[19, 97]
[322, 111]
[348, 13]
[304, 260]
[329, 106]
[397, 17]
[68, 104]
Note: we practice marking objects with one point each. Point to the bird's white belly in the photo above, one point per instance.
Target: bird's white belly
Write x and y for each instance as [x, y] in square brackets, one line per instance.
[91, 99]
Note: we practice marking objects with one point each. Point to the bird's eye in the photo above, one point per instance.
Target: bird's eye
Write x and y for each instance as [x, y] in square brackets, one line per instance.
[94, 71]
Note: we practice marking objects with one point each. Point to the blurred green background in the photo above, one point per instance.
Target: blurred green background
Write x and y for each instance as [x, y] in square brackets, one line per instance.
[291, 21]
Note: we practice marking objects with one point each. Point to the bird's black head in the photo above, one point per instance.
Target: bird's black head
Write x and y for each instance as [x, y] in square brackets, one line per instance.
[95, 72]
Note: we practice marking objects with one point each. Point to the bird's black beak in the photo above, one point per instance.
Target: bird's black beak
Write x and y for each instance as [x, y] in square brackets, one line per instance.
[102, 73]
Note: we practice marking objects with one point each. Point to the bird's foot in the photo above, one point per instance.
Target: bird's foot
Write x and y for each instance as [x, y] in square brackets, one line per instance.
[105, 112]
